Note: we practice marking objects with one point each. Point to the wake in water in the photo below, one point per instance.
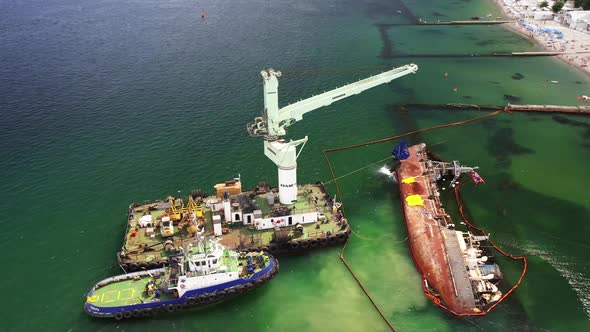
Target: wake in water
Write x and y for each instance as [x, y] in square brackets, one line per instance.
[566, 267]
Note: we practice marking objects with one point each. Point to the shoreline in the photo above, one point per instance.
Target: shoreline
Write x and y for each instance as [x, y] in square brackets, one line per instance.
[572, 60]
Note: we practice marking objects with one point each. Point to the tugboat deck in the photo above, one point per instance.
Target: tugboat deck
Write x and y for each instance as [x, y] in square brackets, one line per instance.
[126, 292]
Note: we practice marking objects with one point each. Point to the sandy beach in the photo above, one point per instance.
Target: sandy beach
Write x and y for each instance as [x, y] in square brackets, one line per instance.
[575, 45]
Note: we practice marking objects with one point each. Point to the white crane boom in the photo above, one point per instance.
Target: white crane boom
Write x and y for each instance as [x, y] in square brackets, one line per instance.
[274, 121]
[295, 111]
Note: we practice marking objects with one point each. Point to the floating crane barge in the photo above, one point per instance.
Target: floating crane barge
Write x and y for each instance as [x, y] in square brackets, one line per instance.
[458, 273]
[287, 219]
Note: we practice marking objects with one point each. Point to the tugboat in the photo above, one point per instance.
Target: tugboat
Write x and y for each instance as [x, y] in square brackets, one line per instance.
[288, 219]
[459, 272]
[203, 274]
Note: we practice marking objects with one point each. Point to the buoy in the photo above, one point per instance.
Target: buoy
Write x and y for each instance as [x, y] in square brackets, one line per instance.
[446, 73]
[455, 89]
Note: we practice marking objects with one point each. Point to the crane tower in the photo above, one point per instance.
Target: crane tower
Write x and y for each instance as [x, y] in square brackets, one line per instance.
[274, 121]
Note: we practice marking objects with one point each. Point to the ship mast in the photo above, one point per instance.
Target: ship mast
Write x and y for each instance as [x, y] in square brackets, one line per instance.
[274, 121]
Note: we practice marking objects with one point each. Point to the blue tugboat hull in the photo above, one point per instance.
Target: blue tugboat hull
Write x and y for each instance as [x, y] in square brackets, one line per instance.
[191, 298]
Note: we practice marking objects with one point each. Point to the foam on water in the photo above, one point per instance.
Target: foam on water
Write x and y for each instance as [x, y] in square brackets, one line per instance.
[385, 170]
[566, 267]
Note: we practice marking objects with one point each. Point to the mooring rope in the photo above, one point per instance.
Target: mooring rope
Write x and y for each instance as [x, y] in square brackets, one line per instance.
[359, 236]
[334, 180]
[458, 123]
[375, 305]
[404, 240]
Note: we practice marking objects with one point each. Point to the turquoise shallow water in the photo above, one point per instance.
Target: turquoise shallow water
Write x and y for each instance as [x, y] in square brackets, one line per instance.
[108, 102]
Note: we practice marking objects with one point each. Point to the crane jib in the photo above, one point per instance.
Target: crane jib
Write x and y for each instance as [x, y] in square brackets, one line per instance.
[273, 122]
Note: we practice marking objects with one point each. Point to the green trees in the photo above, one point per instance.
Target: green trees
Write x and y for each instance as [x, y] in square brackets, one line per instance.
[557, 6]
[585, 4]
[544, 4]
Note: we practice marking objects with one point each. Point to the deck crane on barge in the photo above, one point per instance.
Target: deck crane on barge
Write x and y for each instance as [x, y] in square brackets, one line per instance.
[250, 219]
[274, 121]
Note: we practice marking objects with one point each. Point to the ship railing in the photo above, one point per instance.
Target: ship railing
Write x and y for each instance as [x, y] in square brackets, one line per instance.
[139, 256]
[320, 233]
[298, 211]
[247, 244]
[127, 276]
[487, 250]
[315, 234]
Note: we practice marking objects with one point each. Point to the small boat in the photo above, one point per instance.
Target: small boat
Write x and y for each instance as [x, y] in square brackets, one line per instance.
[206, 273]
[554, 82]
[475, 18]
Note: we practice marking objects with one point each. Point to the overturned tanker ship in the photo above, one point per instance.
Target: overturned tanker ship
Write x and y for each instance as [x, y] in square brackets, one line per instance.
[459, 273]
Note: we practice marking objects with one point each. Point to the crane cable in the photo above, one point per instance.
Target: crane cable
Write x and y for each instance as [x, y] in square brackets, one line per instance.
[371, 164]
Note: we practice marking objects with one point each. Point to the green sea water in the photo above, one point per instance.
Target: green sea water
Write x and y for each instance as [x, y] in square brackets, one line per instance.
[105, 103]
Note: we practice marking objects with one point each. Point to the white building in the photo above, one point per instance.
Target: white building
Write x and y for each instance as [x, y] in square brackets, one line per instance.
[543, 14]
[529, 9]
[576, 19]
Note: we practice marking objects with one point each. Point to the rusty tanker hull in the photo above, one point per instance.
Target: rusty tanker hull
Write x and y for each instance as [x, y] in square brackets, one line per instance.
[452, 264]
